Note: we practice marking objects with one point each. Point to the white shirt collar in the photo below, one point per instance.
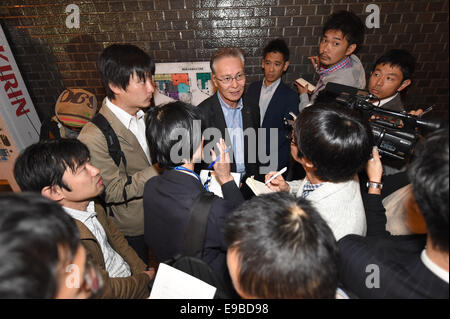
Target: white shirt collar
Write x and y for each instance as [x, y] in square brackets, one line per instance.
[271, 87]
[124, 117]
[435, 269]
[80, 215]
[384, 101]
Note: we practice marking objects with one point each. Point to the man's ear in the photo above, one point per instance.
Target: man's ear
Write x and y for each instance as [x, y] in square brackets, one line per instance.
[351, 48]
[286, 65]
[115, 88]
[52, 192]
[404, 85]
[308, 163]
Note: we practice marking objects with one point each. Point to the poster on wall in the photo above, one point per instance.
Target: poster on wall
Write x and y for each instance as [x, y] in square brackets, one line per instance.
[189, 82]
[19, 122]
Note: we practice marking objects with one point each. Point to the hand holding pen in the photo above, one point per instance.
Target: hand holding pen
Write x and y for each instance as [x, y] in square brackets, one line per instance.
[221, 163]
[276, 182]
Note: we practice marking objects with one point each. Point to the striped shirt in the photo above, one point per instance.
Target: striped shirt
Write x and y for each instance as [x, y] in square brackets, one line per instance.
[115, 265]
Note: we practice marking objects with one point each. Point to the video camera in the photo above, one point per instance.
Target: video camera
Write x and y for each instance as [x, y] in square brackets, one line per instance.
[395, 134]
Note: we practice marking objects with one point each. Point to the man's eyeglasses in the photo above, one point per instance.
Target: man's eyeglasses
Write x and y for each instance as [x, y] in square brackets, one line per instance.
[228, 79]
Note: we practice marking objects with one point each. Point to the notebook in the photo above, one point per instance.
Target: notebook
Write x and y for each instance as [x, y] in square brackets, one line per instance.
[257, 187]
[303, 83]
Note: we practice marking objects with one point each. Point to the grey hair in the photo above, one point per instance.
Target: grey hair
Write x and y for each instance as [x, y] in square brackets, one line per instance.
[226, 52]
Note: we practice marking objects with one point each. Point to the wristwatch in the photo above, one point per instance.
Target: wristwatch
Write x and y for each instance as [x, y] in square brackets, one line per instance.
[374, 185]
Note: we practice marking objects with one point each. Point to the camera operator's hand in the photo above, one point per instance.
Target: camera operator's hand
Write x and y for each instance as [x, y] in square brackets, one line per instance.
[374, 169]
[417, 112]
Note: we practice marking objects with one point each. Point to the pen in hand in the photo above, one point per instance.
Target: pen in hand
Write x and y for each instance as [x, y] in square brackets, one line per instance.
[276, 175]
[217, 158]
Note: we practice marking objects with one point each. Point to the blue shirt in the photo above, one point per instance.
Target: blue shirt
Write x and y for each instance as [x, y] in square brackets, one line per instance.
[233, 119]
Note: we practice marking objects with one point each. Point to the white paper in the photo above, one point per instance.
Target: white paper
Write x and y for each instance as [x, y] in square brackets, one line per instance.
[214, 185]
[171, 283]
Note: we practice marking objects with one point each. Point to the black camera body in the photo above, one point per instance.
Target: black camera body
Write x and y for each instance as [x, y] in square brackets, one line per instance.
[395, 133]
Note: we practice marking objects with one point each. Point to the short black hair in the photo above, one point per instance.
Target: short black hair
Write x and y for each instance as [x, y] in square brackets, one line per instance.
[277, 45]
[43, 164]
[172, 127]
[349, 24]
[335, 139]
[285, 248]
[428, 174]
[33, 230]
[400, 58]
[119, 61]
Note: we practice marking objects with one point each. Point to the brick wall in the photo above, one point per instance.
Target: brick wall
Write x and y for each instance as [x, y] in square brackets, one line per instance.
[52, 56]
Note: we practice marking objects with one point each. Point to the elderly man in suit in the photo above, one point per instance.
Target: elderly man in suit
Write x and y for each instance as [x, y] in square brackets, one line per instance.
[275, 99]
[127, 77]
[231, 113]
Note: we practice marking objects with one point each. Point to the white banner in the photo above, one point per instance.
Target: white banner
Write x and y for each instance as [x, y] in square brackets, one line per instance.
[16, 107]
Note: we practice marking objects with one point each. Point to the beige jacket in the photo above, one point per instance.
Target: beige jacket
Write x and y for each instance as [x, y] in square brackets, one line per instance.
[135, 286]
[129, 219]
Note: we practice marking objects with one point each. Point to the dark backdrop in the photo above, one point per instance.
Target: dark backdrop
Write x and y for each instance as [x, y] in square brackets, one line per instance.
[53, 57]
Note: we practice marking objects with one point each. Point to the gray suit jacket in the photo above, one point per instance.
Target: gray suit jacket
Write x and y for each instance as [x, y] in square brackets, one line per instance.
[129, 218]
[339, 204]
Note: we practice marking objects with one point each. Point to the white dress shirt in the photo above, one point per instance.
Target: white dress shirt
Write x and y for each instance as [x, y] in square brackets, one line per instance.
[266, 96]
[136, 124]
[115, 265]
[384, 101]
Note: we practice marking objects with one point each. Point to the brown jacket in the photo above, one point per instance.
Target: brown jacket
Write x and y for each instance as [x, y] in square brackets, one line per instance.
[135, 286]
[129, 218]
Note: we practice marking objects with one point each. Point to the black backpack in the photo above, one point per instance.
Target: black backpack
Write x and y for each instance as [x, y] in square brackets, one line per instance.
[114, 149]
[189, 261]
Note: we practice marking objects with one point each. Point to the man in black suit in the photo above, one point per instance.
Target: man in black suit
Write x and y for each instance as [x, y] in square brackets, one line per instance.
[406, 266]
[169, 197]
[230, 115]
[276, 100]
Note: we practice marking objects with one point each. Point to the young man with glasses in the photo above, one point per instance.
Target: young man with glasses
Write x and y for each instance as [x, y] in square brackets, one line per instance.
[231, 112]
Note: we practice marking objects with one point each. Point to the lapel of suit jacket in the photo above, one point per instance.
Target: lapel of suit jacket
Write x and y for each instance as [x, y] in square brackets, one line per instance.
[273, 107]
[217, 114]
[123, 134]
[395, 104]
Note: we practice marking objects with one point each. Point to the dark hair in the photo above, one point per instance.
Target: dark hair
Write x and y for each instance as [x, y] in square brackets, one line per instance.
[226, 52]
[400, 58]
[172, 127]
[43, 164]
[285, 248]
[335, 139]
[349, 24]
[119, 61]
[277, 45]
[428, 174]
[33, 230]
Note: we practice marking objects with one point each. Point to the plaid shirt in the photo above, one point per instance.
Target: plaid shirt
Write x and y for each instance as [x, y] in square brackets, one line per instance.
[341, 65]
[309, 188]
